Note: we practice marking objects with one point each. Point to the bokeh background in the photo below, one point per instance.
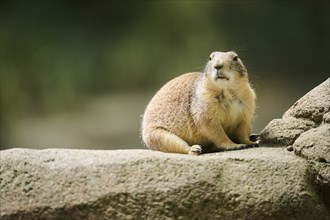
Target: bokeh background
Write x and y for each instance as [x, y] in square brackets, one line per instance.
[79, 74]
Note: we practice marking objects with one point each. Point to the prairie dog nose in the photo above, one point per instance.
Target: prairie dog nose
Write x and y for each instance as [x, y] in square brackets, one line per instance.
[218, 66]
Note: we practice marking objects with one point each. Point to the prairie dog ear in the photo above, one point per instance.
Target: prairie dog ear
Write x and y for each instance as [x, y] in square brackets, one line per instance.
[211, 56]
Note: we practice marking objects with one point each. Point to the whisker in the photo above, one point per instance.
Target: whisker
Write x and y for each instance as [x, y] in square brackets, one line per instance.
[199, 68]
[240, 48]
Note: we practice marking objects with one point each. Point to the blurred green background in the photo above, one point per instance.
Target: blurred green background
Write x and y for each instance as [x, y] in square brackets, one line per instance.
[79, 74]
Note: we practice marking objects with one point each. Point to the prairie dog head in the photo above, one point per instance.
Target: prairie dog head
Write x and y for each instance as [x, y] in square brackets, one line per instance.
[224, 67]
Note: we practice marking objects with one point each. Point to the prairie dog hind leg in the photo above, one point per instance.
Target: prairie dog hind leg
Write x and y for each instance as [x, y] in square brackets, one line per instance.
[162, 140]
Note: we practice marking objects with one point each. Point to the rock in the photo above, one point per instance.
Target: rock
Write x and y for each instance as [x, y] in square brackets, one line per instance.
[326, 118]
[259, 183]
[283, 132]
[320, 178]
[311, 111]
[289, 148]
[313, 105]
[305, 129]
[314, 144]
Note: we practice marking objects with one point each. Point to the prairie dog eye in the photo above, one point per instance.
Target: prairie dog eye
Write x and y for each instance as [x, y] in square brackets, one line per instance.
[210, 58]
[235, 58]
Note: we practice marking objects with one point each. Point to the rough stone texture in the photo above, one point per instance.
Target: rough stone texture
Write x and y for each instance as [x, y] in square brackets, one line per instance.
[314, 144]
[311, 111]
[260, 183]
[326, 118]
[313, 105]
[283, 132]
[306, 126]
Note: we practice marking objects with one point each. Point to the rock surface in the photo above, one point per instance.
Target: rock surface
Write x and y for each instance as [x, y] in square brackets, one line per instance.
[314, 144]
[260, 183]
[306, 127]
[311, 111]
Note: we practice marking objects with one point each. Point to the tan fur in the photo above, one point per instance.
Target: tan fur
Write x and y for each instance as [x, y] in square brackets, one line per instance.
[213, 110]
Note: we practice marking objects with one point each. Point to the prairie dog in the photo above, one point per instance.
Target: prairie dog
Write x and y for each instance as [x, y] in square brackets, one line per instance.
[202, 112]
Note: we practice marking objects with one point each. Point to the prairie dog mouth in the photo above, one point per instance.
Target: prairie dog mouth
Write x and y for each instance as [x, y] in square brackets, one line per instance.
[219, 75]
[222, 76]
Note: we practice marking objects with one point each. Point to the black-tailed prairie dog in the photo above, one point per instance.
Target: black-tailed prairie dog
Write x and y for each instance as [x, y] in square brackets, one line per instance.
[202, 112]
